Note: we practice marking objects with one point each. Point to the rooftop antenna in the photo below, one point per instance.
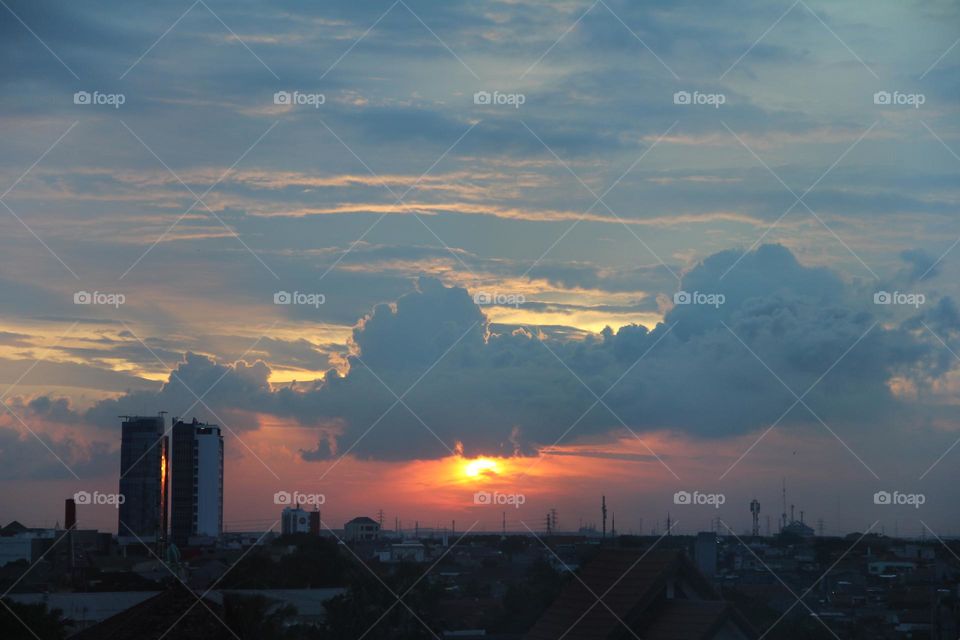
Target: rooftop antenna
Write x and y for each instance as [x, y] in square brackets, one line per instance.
[755, 512]
[783, 522]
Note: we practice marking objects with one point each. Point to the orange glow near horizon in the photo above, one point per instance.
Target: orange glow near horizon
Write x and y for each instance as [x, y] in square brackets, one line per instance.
[481, 467]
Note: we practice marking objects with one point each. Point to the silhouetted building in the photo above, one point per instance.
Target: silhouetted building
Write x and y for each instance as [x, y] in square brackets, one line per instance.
[69, 513]
[705, 553]
[143, 479]
[197, 483]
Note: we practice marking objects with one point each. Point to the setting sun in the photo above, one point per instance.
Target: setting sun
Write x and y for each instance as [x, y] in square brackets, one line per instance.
[481, 467]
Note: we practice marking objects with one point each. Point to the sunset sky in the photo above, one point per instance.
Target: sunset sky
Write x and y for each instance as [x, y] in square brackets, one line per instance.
[392, 197]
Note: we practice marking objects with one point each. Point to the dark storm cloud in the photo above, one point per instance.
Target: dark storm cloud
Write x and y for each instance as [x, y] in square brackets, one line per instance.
[25, 456]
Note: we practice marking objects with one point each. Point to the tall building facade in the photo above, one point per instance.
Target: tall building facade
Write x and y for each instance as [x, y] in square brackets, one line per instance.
[197, 483]
[144, 456]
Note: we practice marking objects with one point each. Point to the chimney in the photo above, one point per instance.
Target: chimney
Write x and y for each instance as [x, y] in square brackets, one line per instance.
[69, 514]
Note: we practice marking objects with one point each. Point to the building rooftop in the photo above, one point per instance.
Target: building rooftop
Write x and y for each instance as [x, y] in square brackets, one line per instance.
[659, 595]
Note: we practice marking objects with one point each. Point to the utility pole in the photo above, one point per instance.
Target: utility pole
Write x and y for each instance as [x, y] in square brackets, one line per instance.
[603, 510]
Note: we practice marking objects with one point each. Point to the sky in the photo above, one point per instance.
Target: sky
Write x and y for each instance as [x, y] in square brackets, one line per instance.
[415, 255]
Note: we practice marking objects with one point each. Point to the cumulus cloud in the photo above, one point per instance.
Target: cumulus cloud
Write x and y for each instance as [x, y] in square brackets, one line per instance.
[709, 371]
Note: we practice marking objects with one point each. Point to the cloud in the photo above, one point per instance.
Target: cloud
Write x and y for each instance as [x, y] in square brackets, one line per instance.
[921, 263]
[706, 371]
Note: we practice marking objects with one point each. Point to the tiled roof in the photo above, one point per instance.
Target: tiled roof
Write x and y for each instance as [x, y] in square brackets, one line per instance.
[576, 611]
[633, 588]
[153, 618]
[688, 620]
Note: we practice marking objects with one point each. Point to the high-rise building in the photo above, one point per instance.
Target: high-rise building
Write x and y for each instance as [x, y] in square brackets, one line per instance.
[143, 479]
[196, 516]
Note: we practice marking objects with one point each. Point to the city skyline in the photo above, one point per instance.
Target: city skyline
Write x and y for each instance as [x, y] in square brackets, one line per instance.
[409, 253]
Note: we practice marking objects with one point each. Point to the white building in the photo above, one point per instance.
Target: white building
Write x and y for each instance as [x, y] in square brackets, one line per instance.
[294, 520]
[404, 552]
[361, 529]
[197, 487]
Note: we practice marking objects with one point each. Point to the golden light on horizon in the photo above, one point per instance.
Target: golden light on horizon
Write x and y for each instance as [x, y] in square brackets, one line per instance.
[481, 467]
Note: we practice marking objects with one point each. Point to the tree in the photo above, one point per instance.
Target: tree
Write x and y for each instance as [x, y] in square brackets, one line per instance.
[256, 617]
[29, 621]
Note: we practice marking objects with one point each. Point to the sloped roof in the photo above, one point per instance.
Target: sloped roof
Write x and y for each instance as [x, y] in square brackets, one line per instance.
[689, 620]
[12, 528]
[153, 618]
[632, 586]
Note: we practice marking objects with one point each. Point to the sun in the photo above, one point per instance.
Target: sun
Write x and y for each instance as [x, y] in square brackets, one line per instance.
[481, 467]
